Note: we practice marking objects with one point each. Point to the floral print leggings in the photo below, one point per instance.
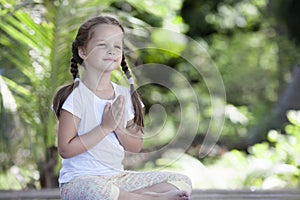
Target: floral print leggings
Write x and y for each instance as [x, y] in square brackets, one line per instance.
[108, 187]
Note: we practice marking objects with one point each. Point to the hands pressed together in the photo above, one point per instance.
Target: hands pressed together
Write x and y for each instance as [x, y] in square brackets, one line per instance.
[114, 120]
[114, 115]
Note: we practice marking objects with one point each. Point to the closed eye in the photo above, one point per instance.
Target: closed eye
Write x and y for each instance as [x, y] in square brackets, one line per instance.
[101, 44]
[118, 47]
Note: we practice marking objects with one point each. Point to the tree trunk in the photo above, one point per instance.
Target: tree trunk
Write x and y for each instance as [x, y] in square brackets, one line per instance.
[48, 178]
[289, 100]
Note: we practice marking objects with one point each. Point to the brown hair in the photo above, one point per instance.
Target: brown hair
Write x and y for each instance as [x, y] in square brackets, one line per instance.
[81, 40]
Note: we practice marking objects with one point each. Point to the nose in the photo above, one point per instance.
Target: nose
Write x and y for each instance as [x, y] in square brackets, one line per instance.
[111, 51]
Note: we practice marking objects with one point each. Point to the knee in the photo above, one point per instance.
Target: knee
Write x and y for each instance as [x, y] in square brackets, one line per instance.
[100, 188]
[89, 187]
[180, 177]
[182, 182]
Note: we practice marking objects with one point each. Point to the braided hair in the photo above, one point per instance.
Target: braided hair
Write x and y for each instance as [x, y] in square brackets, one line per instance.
[135, 98]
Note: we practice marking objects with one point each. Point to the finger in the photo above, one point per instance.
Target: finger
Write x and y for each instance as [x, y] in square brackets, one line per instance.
[123, 120]
[122, 98]
[118, 109]
[118, 105]
[119, 99]
[107, 107]
[120, 116]
[122, 103]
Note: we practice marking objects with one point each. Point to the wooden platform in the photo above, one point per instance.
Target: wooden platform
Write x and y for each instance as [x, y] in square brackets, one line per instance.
[196, 195]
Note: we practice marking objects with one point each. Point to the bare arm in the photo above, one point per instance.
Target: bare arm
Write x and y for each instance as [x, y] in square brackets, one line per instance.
[131, 137]
[70, 144]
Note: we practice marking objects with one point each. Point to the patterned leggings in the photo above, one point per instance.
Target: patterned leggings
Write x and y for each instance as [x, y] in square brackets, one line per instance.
[108, 187]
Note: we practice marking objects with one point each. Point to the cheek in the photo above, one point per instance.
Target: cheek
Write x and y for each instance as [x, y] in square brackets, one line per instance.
[119, 62]
[119, 55]
[119, 51]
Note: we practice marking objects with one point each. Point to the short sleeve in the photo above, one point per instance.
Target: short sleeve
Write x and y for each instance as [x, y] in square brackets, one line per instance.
[73, 104]
[129, 110]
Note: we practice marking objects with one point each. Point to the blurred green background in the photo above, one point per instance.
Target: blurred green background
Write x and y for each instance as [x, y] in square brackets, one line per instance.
[253, 43]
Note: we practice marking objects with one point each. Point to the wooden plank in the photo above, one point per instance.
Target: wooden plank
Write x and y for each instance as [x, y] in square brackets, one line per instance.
[31, 194]
[246, 194]
[53, 194]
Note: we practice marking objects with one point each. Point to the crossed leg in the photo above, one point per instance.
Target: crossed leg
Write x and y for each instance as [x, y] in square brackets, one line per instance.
[132, 186]
[165, 191]
[152, 194]
[157, 185]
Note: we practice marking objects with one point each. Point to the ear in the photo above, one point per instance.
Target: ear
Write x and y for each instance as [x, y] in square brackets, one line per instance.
[82, 53]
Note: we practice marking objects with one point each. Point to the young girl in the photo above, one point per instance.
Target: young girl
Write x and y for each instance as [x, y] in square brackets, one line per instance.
[99, 120]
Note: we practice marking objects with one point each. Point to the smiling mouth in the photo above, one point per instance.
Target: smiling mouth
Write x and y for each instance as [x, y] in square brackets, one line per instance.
[110, 59]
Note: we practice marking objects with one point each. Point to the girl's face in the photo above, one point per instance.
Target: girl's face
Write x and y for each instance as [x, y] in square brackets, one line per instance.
[104, 50]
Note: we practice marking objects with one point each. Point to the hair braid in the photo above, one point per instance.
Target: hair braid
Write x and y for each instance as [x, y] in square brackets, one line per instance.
[75, 60]
[136, 100]
[125, 67]
[74, 68]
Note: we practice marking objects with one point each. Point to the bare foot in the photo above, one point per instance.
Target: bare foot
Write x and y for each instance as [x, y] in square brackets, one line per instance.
[171, 195]
[177, 195]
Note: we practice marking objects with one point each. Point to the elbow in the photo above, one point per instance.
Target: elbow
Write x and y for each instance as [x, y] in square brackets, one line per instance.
[135, 148]
[138, 148]
[64, 154]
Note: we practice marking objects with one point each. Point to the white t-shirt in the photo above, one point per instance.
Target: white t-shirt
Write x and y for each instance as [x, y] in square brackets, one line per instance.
[106, 157]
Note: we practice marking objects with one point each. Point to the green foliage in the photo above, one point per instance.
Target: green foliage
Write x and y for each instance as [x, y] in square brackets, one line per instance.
[248, 64]
[227, 16]
[241, 15]
[269, 165]
[237, 121]
[18, 178]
